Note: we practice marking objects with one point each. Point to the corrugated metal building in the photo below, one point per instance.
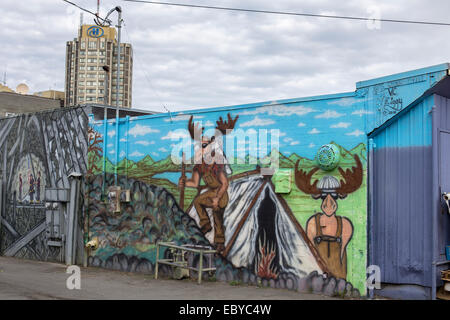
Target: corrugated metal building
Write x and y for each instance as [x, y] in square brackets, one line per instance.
[409, 171]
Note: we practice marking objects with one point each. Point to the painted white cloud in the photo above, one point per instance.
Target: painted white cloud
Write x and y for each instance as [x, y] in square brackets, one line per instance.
[345, 102]
[111, 133]
[361, 112]
[176, 135]
[311, 145]
[156, 154]
[145, 142]
[287, 139]
[140, 130]
[355, 133]
[209, 124]
[112, 152]
[280, 110]
[163, 149]
[314, 131]
[110, 145]
[256, 122]
[339, 125]
[122, 154]
[294, 143]
[136, 154]
[329, 114]
[301, 124]
[123, 140]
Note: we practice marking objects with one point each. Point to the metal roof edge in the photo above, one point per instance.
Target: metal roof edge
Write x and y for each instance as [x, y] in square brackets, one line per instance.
[253, 105]
[403, 75]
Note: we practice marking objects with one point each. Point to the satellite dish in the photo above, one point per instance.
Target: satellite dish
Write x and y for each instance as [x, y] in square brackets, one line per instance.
[22, 88]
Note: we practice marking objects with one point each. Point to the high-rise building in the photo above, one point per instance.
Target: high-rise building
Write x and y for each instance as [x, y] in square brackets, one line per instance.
[91, 68]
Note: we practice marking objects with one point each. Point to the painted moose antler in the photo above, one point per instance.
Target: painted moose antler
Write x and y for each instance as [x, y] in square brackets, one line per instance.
[226, 126]
[352, 178]
[303, 180]
[194, 129]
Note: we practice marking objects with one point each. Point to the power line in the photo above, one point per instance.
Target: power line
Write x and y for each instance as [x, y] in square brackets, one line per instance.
[88, 11]
[145, 72]
[292, 13]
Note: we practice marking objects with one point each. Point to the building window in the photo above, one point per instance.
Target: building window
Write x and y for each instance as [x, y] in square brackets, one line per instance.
[92, 60]
[92, 45]
[83, 45]
[82, 60]
[92, 68]
[82, 52]
[82, 68]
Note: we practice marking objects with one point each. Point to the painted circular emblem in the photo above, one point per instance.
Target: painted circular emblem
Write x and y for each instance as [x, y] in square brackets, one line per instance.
[328, 157]
[95, 32]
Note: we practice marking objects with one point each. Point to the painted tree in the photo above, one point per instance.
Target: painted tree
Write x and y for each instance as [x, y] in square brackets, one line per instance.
[94, 151]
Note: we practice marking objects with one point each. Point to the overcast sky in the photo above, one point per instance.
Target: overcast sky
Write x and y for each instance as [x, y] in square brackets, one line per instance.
[189, 58]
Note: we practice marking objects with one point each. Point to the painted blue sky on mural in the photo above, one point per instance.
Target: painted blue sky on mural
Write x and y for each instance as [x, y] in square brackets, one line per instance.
[304, 125]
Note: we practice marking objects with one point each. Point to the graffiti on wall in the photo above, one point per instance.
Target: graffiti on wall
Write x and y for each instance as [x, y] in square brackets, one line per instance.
[216, 198]
[37, 151]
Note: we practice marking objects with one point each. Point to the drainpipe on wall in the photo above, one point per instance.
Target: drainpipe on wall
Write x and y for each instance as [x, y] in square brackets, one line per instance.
[72, 223]
[105, 124]
[126, 150]
[370, 206]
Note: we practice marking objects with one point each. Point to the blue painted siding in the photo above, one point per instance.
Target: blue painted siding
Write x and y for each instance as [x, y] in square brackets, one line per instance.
[383, 98]
[402, 193]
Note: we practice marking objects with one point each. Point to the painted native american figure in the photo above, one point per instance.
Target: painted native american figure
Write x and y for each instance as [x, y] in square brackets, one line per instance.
[211, 166]
[329, 232]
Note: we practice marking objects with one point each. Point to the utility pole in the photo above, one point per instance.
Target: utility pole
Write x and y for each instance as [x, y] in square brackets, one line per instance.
[106, 21]
[119, 27]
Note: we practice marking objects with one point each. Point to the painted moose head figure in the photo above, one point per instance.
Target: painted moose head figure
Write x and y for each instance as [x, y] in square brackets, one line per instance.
[330, 233]
[209, 145]
[211, 167]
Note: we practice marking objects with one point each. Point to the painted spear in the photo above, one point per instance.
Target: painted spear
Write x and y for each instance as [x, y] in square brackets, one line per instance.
[183, 175]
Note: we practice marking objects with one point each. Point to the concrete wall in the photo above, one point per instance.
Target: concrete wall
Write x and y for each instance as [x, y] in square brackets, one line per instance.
[15, 103]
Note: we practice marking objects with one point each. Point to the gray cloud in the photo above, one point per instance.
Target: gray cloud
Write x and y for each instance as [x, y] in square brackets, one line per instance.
[193, 58]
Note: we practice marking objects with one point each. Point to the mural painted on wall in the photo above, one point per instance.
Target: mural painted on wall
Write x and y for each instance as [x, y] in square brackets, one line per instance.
[37, 151]
[29, 181]
[219, 198]
[329, 232]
